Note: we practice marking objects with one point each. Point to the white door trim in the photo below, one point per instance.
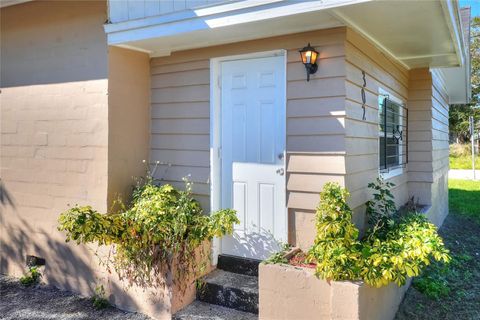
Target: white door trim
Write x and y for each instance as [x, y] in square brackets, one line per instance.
[215, 130]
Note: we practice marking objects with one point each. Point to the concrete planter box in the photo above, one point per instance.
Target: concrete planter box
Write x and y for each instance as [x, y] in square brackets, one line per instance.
[288, 292]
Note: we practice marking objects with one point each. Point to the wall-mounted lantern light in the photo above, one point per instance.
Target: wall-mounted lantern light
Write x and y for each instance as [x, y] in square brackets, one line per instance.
[309, 59]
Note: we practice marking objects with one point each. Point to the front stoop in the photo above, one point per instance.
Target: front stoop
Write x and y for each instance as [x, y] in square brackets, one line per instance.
[229, 292]
[199, 310]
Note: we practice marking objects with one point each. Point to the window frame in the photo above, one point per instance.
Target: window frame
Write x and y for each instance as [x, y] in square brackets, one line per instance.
[400, 170]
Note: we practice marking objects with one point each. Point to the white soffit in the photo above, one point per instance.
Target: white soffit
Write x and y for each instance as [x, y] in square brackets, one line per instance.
[417, 33]
[224, 23]
[7, 3]
[457, 84]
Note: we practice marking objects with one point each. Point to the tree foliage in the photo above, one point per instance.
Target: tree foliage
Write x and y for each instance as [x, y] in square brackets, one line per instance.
[460, 113]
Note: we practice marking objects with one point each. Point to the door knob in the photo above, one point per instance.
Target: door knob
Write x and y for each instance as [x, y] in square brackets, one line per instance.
[281, 171]
[280, 156]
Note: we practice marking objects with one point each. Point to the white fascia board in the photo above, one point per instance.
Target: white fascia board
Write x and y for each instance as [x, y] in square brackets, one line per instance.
[452, 16]
[213, 17]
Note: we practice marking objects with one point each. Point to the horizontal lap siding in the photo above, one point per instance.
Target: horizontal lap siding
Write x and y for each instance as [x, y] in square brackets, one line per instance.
[440, 151]
[440, 129]
[180, 128]
[420, 131]
[124, 10]
[361, 136]
[180, 124]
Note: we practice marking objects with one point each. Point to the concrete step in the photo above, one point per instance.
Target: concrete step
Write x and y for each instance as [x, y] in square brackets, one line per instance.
[198, 310]
[231, 290]
[240, 265]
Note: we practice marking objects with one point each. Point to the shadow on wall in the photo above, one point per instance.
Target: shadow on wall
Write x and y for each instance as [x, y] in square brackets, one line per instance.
[5, 197]
[68, 266]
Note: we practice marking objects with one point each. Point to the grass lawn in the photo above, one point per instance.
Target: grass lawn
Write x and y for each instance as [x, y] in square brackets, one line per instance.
[451, 291]
[464, 198]
[463, 162]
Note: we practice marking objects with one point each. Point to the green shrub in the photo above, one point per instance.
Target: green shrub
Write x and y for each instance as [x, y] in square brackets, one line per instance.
[32, 277]
[406, 250]
[99, 299]
[160, 227]
[381, 209]
[336, 249]
[401, 250]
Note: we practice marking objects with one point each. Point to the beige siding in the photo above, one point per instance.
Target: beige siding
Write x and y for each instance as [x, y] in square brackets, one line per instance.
[128, 121]
[428, 142]
[180, 125]
[361, 136]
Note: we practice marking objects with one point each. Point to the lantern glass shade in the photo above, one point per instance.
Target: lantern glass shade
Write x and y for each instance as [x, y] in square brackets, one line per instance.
[309, 55]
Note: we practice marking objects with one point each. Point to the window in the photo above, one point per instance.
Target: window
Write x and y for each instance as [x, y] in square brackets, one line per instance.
[393, 135]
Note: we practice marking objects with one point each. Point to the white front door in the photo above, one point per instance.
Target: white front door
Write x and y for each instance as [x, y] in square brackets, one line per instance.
[253, 154]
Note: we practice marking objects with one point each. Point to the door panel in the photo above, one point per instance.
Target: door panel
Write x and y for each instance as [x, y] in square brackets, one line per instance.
[253, 147]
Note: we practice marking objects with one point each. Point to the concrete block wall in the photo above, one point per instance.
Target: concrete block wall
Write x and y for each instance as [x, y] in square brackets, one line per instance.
[74, 130]
[54, 132]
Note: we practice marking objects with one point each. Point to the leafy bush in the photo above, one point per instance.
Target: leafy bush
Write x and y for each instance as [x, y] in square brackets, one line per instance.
[381, 209]
[401, 250]
[162, 226]
[407, 249]
[32, 277]
[336, 249]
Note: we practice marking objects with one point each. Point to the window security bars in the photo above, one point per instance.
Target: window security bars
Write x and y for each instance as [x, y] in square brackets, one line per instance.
[393, 135]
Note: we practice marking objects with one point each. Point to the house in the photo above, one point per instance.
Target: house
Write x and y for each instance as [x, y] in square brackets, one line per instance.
[217, 90]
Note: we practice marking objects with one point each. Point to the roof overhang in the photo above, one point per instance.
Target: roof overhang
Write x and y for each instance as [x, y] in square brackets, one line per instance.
[8, 3]
[417, 34]
[223, 23]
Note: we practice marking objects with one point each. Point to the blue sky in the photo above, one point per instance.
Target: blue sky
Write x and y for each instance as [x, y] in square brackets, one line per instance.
[475, 4]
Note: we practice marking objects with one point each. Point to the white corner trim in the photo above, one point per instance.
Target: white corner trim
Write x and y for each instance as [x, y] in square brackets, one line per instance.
[440, 76]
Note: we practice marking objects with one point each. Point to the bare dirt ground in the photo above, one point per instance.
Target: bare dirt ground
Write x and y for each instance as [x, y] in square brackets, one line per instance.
[460, 280]
[45, 302]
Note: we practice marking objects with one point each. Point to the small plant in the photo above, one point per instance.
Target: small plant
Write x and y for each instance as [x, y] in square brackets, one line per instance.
[279, 257]
[32, 277]
[433, 287]
[99, 299]
[436, 279]
[381, 209]
[336, 248]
